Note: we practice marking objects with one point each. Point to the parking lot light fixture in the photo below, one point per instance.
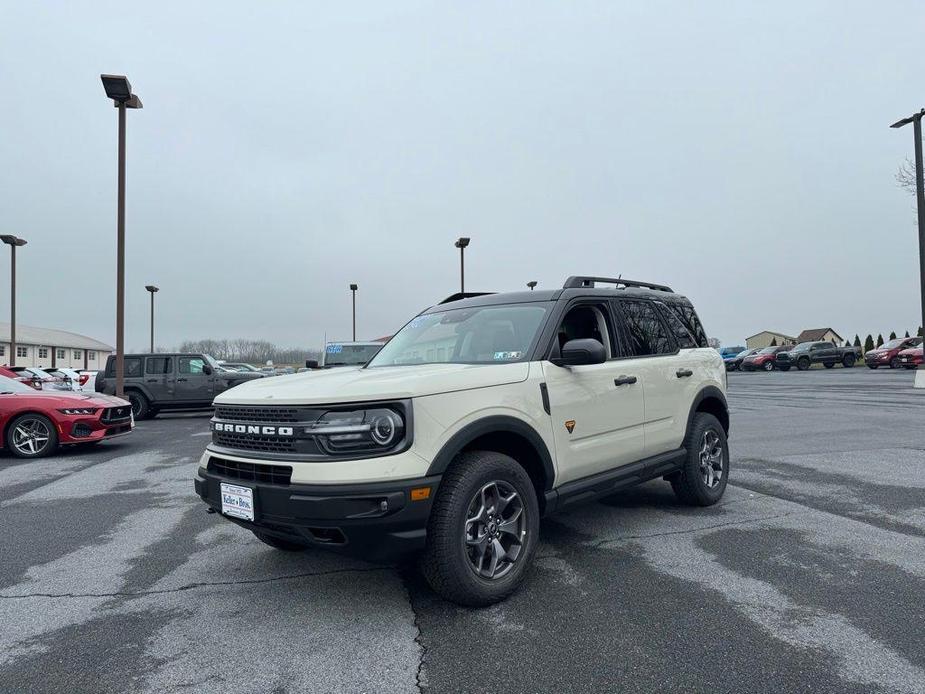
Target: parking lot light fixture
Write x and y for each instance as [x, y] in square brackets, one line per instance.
[461, 244]
[152, 289]
[13, 242]
[531, 284]
[119, 89]
[353, 291]
[916, 120]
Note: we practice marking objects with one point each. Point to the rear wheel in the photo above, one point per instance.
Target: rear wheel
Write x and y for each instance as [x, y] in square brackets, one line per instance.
[279, 543]
[140, 405]
[848, 361]
[483, 530]
[31, 436]
[803, 363]
[702, 479]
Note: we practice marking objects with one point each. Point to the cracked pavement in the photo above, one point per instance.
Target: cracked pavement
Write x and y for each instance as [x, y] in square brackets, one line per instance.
[808, 576]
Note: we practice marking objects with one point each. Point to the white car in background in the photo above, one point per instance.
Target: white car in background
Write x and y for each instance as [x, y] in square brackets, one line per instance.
[78, 381]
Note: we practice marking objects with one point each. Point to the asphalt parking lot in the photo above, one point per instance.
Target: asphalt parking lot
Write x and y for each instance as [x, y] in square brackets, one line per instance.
[809, 576]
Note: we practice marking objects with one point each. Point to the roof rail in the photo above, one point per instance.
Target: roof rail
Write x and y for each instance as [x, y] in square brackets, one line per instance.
[577, 282]
[458, 296]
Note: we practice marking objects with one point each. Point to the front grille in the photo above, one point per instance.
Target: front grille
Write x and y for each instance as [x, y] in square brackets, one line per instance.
[249, 442]
[237, 413]
[112, 415]
[249, 472]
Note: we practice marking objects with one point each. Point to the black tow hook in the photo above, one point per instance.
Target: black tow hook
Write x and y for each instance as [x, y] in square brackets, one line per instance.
[211, 510]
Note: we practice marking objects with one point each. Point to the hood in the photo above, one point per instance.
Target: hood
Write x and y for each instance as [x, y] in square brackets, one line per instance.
[70, 398]
[380, 383]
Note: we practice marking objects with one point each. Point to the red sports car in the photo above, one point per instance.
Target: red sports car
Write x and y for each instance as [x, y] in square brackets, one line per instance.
[35, 423]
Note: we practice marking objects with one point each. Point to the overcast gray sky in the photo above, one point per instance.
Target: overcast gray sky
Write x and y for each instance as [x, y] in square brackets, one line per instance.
[739, 152]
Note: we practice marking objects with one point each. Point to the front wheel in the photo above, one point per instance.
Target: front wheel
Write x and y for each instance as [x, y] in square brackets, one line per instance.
[784, 368]
[803, 363]
[31, 436]
[483, 530]
[872, 366]
[895, 363]
[769, 366]
[702, 479]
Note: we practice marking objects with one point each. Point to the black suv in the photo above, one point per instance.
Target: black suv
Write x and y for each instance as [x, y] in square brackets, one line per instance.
[155, 382]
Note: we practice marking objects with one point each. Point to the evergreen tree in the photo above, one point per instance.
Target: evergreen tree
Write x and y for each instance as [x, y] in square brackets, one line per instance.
[773, 342]
[879, 341]
[857, 341]
[893, 335]
[868, 344]
[919, 333]
[907, 333]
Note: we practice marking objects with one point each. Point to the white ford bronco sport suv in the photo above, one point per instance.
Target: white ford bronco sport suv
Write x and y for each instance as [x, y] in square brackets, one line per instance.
[481, 415]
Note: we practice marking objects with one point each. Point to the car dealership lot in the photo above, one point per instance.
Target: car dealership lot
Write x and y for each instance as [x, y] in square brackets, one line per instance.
[807, 576]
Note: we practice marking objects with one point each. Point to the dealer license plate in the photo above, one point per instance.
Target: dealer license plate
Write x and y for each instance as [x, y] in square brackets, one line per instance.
[237, 501]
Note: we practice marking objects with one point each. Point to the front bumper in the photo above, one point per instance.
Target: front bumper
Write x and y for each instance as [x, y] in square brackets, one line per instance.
[90, 429]
[376, 521]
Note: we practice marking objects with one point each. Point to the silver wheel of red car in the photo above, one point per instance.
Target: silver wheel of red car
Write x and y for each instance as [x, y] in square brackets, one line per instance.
[31, 436]
[769, 366]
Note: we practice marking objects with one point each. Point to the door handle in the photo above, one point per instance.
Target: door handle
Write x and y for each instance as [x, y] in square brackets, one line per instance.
[684, 373]
[182, 379]
[624, 381]
[152, 380]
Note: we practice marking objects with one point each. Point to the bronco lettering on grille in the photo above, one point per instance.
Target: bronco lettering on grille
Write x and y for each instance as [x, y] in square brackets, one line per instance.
[256, 429]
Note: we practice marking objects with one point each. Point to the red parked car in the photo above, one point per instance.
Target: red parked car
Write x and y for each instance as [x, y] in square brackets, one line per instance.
[28, 379]
[888, 354]
[910, 358]
[35, 423]
[763, 359]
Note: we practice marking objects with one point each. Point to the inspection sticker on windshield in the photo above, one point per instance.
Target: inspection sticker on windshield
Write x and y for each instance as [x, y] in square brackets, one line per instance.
[502, 356]
[237, 501]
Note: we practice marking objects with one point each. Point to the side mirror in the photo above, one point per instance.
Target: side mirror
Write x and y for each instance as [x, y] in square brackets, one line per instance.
[581, 353]
[311, 363]
[206, 369]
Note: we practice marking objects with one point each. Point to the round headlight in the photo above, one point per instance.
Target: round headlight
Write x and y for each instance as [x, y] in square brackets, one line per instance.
[383, 428]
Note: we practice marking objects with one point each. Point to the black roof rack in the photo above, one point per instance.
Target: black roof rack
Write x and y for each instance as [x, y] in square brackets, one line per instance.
[458, 296]
[577, 282]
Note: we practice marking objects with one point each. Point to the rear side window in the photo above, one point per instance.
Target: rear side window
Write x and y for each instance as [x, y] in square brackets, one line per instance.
[158, 366]
[645, 330]
[132, 367]
[688, 316]
[681, 334]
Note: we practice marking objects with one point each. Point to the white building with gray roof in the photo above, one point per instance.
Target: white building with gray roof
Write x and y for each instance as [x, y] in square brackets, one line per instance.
[46, 348]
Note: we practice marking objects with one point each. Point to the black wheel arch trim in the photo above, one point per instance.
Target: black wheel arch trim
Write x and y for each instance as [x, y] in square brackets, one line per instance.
[703, 394]
[494, 424]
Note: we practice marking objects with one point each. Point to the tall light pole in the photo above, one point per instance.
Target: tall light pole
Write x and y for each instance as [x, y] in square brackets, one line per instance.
[13, 242]
[151, 288]
[353, 291]
[120, 91]
[531, 284]
[916, 120]
[461, 244]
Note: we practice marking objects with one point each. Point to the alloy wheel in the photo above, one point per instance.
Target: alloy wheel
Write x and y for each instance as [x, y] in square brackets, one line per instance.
[711, 459]
[496, 529]
[31, 436]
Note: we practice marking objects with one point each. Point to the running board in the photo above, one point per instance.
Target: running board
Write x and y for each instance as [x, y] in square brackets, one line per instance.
[613, 480]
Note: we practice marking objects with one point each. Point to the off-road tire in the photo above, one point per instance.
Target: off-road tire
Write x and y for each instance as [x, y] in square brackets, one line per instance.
[688, 483]
[784, 368]
[848, 361]
[49, 446]
[803, 363]
[141, 407]
[279, 543]
[445, 562]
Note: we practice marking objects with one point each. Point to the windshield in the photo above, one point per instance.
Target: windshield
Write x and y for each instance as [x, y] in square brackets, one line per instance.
[480, 335]
[8, 385]
[768, 350]
[339, 354]
[893, 344]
